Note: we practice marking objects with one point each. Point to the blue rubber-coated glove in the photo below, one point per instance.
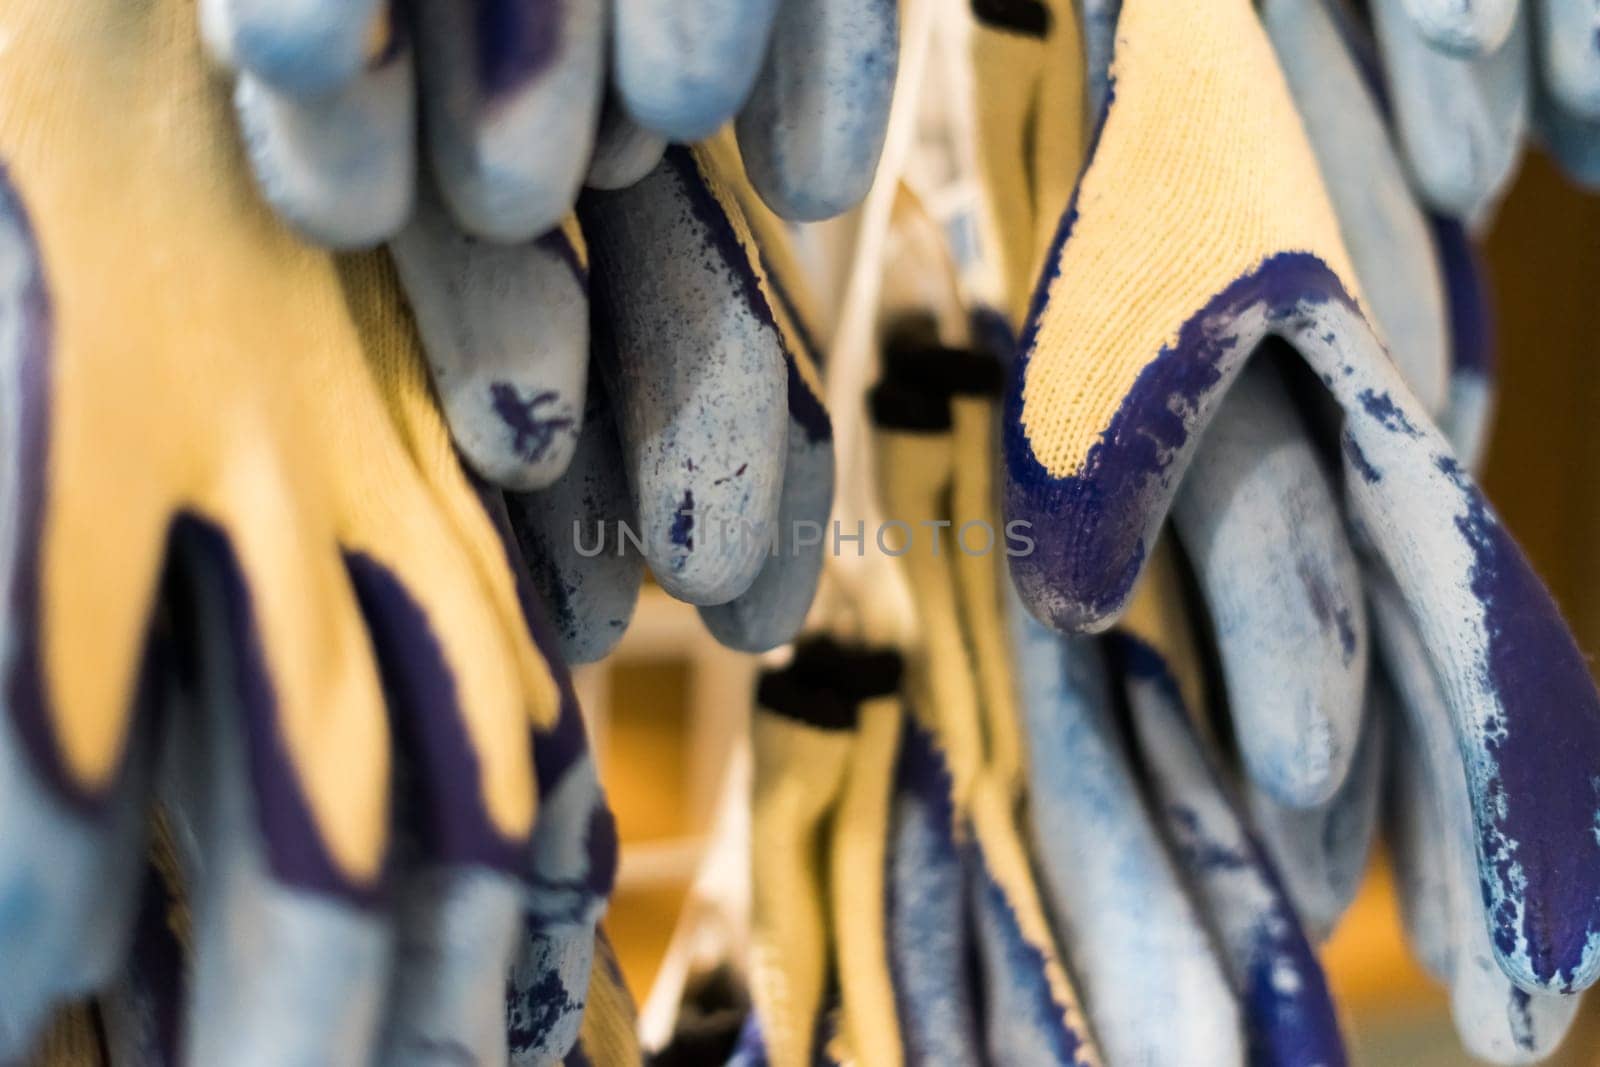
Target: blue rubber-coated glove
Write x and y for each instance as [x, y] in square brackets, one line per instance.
[1288, 1014]
[1143, 377]
[510, 93]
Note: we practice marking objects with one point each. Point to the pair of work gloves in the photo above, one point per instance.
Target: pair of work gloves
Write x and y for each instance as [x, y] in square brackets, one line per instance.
[702, 430]
[248, 584]
[1244, 321]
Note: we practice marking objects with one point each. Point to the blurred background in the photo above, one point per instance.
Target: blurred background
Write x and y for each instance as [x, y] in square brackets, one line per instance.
[670, 705]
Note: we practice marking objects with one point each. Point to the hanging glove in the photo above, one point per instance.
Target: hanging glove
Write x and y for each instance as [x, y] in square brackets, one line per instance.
[511, 93]
[1261, 257]
[1122, 913]
[317, 591]
[726, 445]
[1027, 60]
[1033, 1012]
[1569, 130]
[1460, 119]
[1432, 840]
[1288, 1015]
[1475, 28]
[826, 732]
[1321, 853]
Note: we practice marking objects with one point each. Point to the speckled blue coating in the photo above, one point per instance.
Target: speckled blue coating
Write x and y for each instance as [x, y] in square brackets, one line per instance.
[506, 332]
[1432, 838]
[1126, 926]
[771, 612]
[1262, 526]
[340, 168]
[511, 95]
[814, 125]
[1288, 1014]
[1459, 121]
[697, 374]
[684, 67]
[571, 541]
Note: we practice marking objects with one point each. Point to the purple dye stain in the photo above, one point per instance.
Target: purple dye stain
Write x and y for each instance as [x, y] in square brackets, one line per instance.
[682, 532]
[1381, 406]
[516, 41]
[531, 434]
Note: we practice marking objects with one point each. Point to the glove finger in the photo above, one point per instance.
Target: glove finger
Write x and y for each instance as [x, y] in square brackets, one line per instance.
[814, 125]
[801, 738]
[1321, 853]
[1383, 228]
[304, 48]
[684, 67]
[1289, 1015]
[1568, 47]
[339, 167]
[71, 883]
[290, 952]
[1122, 914]
[1033, 1012]
[1473, 28]
[1514, 678]
[1414, 827]
[773, 609]
[573, 870]
[511, 92]
[76, 744]
[858, 868]
[624, 151]
[572, 542]
[930, 936]
[1573, 141]
[1435, 857]
[1460, 121]
[1265, 535]
[506, 332]
[697, 374]
[1466, 419]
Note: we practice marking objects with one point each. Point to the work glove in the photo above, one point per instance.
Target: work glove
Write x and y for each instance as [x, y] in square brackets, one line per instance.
[510, 94]
[969, 768]
[312, 614]
[1288, 1015]
[825, 735]
[1460, 117]
[701, 445]
[1262, 257]
[1028, 63]
[1568, 62]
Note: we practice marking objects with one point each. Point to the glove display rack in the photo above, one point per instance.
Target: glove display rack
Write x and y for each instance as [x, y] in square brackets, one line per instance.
[782, 532]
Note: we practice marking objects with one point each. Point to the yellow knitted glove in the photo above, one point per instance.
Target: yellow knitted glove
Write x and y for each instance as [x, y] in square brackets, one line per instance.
[186, 386]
